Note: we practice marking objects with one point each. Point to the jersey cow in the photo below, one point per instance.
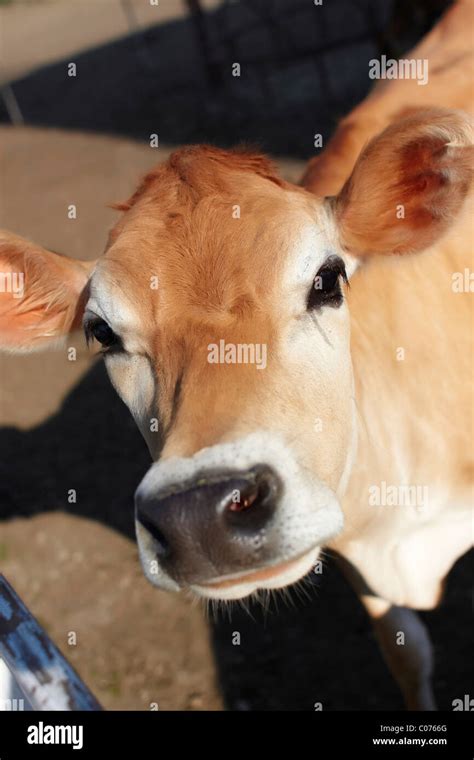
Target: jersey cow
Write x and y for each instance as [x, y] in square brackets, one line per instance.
[284, 410]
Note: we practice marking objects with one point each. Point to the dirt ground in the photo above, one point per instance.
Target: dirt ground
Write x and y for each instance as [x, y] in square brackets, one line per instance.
[76, 565]
[134, 650]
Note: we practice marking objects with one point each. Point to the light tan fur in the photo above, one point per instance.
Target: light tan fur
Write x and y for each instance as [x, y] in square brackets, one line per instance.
[424, 403]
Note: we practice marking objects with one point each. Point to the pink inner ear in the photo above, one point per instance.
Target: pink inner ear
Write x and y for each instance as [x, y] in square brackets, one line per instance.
[48, 304]
[436, 178]
[408, 186]
[31, 319]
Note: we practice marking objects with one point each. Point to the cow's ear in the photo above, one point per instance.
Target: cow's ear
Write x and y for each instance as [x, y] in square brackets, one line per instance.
[408, 185]
[42, 294]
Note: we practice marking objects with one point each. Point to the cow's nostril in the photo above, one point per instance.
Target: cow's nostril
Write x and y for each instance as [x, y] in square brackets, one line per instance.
[162, 547]
[253, 507]
[244, 501]
[219, 524]
[250, 497]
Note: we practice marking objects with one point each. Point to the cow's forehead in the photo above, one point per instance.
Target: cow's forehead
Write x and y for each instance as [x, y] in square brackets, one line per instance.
[227, 247]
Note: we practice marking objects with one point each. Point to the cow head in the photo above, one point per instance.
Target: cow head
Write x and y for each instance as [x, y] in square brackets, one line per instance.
[220, 305]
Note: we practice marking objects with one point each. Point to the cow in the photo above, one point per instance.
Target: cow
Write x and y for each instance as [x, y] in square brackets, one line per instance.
[298, 358]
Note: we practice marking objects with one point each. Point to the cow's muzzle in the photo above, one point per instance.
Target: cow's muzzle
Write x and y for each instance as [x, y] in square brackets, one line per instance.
[218, 525]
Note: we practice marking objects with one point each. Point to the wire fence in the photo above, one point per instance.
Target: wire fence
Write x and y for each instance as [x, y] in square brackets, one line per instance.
[272, 72]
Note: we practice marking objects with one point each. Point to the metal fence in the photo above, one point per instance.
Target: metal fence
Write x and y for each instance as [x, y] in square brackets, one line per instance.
[302, 67]
[41, 676]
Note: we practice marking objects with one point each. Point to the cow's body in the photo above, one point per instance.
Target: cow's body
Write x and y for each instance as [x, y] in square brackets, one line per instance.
[413, 362]
[412, 351]
[413, 429]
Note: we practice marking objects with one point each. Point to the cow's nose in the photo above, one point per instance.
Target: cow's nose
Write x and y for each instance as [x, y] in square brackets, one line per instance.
[216, 526]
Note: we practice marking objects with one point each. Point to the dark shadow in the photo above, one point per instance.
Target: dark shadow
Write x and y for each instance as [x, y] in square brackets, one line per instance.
[91, 445]
[324, 650]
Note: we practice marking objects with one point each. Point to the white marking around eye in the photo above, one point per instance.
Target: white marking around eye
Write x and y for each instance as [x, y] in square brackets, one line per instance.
[311, 249]
[313, 244]
[108, 300]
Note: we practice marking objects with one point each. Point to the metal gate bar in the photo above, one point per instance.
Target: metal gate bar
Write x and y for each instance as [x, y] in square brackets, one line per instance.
[44, 675]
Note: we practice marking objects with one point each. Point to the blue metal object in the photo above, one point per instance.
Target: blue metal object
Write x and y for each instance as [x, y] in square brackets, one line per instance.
[42, 673]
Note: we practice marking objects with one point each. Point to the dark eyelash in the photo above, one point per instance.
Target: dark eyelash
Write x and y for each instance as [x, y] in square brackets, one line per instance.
[87, 327]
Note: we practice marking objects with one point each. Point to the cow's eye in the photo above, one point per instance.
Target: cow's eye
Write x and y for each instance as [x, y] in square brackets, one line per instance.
[326, 288]
[102, 332]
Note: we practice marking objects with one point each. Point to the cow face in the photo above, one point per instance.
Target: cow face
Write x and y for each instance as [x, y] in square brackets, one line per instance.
[228, 338]
[220, 305]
